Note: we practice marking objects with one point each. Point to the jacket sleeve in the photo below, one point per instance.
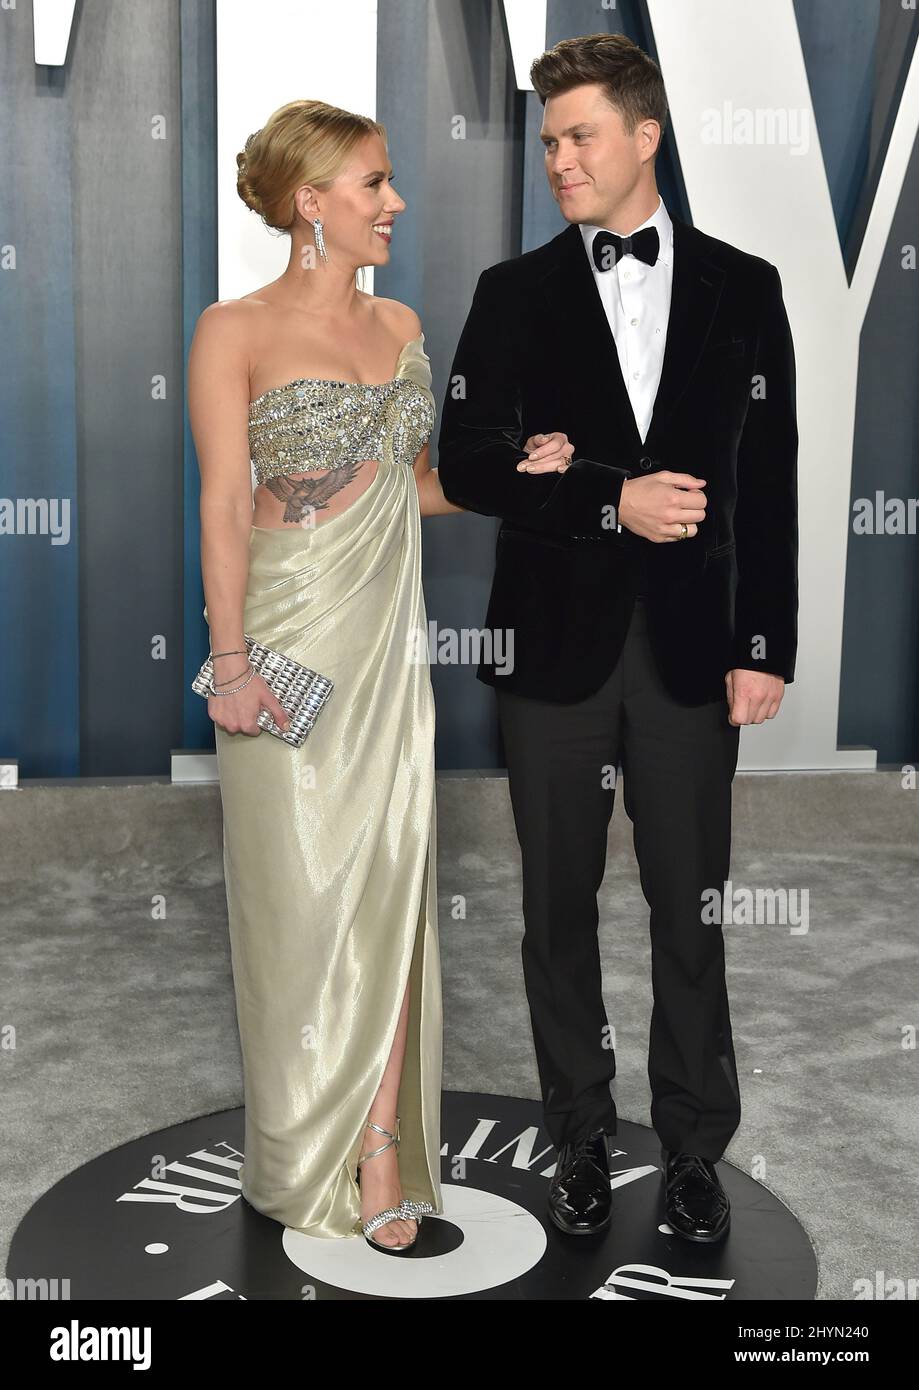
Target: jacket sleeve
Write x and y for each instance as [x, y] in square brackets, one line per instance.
[482, 430]
[766, 514]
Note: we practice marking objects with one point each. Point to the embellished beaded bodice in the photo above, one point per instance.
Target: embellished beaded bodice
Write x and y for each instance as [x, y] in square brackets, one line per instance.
[311, 423]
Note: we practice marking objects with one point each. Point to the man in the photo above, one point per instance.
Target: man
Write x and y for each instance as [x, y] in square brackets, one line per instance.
[650, 579]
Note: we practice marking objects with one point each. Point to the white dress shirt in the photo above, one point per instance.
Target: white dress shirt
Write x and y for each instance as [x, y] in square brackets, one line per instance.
[636, 298]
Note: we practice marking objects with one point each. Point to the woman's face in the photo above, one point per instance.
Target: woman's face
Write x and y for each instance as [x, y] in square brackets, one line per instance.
[358, 211]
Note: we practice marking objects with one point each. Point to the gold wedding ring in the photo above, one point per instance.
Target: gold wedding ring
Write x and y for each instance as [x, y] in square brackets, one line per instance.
[684, 531]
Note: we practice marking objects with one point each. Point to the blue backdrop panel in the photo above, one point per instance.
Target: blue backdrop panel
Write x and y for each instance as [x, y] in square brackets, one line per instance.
[199, 288]
[39, 588]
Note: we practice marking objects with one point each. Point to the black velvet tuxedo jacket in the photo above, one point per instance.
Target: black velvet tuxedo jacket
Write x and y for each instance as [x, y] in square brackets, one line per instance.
[537, 354]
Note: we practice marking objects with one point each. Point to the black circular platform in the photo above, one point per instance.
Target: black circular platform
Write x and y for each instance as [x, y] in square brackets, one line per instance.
[163, 1218]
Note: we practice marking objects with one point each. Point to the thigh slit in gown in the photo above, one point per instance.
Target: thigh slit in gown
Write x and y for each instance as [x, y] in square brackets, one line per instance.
[330, 849]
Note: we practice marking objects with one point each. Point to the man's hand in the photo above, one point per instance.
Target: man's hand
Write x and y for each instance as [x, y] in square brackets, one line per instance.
[549, 453]
[753, 696]
[657, 506]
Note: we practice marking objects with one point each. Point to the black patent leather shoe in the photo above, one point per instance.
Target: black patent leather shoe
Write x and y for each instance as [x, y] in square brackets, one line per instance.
[580, 1196]
[695, 1204]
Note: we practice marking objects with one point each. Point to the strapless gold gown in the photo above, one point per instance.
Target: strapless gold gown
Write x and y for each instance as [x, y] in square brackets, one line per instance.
[330, 849]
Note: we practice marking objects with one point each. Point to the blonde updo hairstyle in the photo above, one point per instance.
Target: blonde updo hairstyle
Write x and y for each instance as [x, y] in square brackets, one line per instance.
[302, 142]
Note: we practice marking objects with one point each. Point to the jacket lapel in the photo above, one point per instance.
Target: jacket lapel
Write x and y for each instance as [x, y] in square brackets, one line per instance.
[694, 295]
[571, 291]
[586, 344]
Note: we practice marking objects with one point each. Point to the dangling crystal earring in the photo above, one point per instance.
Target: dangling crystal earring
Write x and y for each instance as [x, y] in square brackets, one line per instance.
[320, 240]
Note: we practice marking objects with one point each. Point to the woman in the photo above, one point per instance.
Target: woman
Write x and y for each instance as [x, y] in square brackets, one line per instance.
[320, 395]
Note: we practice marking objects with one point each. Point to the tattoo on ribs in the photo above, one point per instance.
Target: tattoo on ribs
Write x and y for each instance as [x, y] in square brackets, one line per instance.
[303, 496]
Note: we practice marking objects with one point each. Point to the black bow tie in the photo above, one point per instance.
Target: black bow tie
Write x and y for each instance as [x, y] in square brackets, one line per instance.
[644, 245]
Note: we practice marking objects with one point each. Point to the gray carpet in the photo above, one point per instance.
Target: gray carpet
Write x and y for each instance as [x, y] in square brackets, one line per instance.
[117, 1016]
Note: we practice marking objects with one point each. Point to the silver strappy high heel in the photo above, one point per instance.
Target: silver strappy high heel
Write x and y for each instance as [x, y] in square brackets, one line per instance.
[405, 1211]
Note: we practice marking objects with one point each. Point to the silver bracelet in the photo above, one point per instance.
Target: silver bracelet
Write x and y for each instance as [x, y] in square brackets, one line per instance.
[236, 688]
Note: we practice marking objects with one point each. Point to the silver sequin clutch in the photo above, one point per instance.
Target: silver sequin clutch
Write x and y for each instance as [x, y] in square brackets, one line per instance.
[300, 691]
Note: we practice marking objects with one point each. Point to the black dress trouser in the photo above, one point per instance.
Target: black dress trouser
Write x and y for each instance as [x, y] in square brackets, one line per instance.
[678, 763]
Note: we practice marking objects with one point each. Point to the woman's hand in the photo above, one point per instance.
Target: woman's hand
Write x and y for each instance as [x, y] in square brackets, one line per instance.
[238, 714]
[549, 453]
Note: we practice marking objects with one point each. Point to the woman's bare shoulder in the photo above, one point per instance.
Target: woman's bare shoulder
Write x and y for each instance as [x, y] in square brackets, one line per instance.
[402, 318]
[231, 312]
[231, 326]
[225, 318]
[225, 338]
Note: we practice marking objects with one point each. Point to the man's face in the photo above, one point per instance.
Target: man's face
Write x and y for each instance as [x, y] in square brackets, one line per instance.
[592, 164]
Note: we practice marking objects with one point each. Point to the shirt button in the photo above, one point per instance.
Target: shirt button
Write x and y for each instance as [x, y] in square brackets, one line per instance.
[635, 376]
[634, 322]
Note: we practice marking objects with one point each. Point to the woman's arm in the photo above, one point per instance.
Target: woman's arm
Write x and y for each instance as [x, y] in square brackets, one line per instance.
[218, 412]
[431, 497]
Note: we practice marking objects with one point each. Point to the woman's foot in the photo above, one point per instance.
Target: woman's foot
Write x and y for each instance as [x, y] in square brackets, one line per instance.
[381, 1189]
